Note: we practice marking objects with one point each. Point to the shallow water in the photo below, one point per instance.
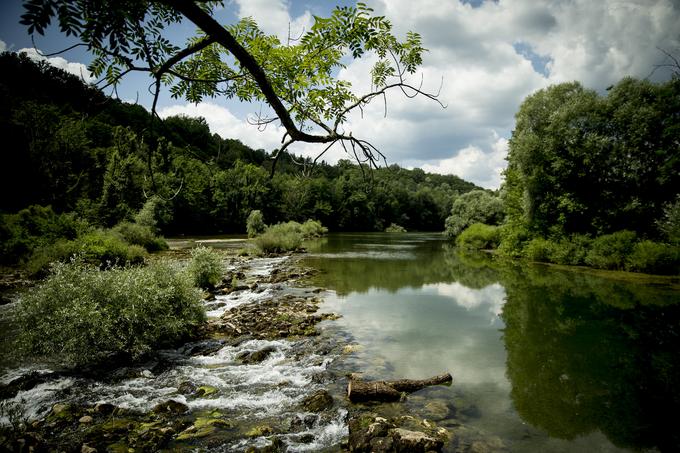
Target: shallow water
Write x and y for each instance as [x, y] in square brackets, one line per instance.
[543, 359]
[268, 393]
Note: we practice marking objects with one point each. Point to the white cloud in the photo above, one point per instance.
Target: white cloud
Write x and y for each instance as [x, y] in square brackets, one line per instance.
[3, 46]
[485, 76]
[273, 17]
[483, 167]
[77, 69]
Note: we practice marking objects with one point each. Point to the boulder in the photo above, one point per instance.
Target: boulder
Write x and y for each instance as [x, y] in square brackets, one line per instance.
[318, 401]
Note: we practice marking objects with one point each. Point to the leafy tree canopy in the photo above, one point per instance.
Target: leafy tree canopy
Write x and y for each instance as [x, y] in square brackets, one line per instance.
[296, 78]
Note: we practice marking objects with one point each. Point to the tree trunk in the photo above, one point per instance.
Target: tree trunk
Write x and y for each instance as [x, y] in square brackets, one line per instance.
[358, 390]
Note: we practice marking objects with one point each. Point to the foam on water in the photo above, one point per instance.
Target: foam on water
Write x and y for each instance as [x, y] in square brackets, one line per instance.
[223, 304]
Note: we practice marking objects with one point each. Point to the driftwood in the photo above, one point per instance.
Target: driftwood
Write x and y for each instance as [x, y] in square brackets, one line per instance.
[358, 390]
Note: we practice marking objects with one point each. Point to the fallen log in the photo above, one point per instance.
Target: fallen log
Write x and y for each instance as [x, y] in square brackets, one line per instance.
[358, 390]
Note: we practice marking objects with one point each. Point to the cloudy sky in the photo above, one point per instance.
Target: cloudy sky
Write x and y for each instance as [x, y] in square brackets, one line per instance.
[488, 56]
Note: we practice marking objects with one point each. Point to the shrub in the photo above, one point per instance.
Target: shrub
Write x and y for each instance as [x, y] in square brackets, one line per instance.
[479, 236]
[34, 227]
[654, 258]
[142, 235]
[288, 236]
[100, 247]
[279, 238]
[255, 223]
[611, 250]
[312, 229]
[539, 249]
[83, 315]
[394, 228]
[572, 251]
[513, 241]
[476, 206]
[205, 267]
[670, 223]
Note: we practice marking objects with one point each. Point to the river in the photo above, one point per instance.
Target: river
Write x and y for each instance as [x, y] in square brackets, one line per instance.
[542, 358]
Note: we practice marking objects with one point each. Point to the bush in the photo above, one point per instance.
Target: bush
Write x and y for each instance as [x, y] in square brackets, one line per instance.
[34, 227]
[255, 223]
[565, 251]
[476, 206]
[611, 250]
[654, 258]
[100, 247]
[479, 236]
[394, 228]
[83, 315]
[288, 236]
[142, 235]
[312, 229]
[513, 240]
[280, 238]
[206, 267]
[539, 249]
[669, 225]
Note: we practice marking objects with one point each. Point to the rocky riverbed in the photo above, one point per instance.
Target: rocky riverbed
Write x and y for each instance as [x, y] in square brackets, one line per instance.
[268, 375]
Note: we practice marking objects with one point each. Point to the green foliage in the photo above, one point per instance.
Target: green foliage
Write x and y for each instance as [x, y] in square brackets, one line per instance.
[205, 184]
[34, 227]
[206, 267]
[103, 248]
[255, 223]
[476, 206]
[311, 229]
[539, 249]
[280, 238]
[288, 236]
[654, 258]
[83, 315]
[154, 211]
[394, 228]
[610, 251]
[580, 163]
[141, 235]
[479, 236]
[670, 222]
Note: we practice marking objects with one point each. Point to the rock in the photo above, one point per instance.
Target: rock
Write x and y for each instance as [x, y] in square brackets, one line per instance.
[250, 358]
[203, 427]
[414, 441]
[104, 408]
[187, 388]
[171, 407]
[259, 431]
[85, 419]
[206, 390]
[436, 410]
[23, 383]
[318, 401]
[87, 449]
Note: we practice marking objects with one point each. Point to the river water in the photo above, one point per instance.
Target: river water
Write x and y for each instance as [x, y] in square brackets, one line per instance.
[543, 359]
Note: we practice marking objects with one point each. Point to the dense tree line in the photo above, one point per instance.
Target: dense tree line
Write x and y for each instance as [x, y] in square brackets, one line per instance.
[69, 146]
[591, 179]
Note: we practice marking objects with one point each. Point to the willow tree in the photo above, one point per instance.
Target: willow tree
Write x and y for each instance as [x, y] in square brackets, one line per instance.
[297, 79]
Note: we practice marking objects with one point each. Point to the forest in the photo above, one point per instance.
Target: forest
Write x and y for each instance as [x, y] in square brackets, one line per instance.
[94, 160]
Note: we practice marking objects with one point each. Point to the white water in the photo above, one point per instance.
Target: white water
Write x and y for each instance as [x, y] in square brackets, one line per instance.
[271, 389]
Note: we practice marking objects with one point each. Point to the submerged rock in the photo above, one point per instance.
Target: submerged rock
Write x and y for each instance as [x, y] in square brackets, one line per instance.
[256, 356]
[318, 401]
[170, 407]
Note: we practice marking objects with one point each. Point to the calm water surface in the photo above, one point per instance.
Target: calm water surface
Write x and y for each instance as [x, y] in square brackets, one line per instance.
[542, 359]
